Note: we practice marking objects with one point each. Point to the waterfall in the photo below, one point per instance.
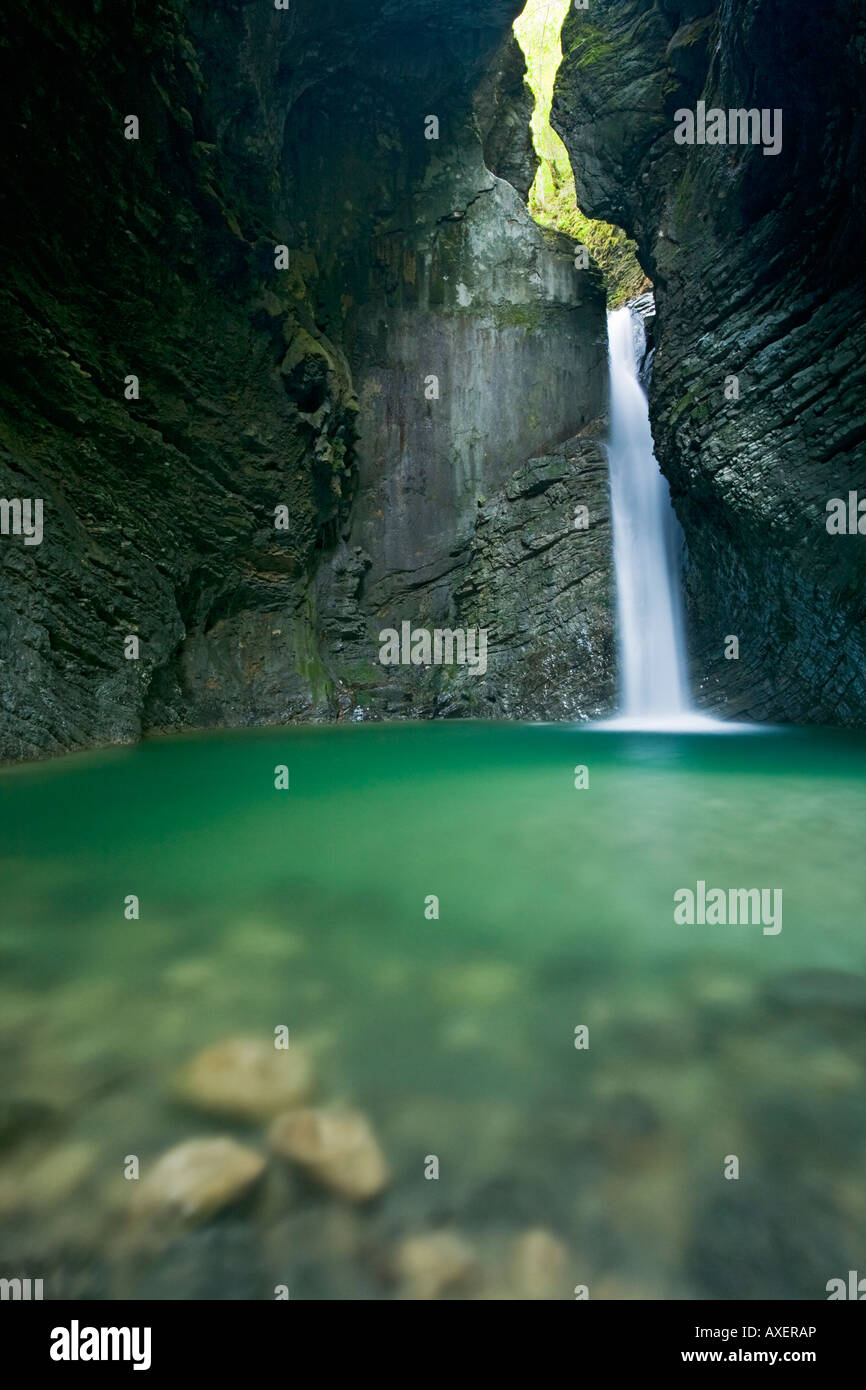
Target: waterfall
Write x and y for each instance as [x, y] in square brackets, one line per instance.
[653, 686]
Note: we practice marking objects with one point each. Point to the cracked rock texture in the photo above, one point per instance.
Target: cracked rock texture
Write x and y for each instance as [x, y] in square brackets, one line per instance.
[308, 388]
[759, 273]
[536, 572]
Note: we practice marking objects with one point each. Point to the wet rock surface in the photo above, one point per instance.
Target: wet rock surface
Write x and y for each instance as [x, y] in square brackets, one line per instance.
[260, 388]
[759, 274]
[535, 571]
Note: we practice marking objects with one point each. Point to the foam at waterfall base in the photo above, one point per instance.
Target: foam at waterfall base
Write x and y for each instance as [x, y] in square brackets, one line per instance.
[685, 722]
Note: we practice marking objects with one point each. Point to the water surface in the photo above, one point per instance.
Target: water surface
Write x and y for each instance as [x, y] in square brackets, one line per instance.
[454, 1036]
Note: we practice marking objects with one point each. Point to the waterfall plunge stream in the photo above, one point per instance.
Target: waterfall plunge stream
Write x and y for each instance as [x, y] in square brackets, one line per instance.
[653, 687]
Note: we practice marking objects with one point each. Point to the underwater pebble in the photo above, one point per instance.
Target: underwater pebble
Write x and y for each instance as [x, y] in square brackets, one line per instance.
[35, 1182]
[428, 1264]
[537, 1266]
[246, 1079]
[337, 1147]
[198, 1178]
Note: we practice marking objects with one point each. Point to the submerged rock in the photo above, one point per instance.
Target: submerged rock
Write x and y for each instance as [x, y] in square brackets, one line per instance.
[428, 1265]
[246, 1079]
[337, 1147]
[37, 1179]
[538, 1266]
[195, 1180]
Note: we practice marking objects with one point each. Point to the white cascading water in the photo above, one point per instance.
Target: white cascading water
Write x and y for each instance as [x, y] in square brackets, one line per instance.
[654, 690]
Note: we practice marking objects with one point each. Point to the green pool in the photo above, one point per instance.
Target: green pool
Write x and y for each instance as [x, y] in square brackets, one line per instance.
[593, 1159]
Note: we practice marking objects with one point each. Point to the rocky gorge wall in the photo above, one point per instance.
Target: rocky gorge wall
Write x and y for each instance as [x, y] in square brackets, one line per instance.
[759, 275]
[306, 388]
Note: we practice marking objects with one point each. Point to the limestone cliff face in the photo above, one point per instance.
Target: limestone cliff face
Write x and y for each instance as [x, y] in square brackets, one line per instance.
[759, 274]
[154, 258]
[308, 388]
[484, 346]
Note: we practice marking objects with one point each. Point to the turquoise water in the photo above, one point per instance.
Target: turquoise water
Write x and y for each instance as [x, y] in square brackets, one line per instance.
[454, 1036]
